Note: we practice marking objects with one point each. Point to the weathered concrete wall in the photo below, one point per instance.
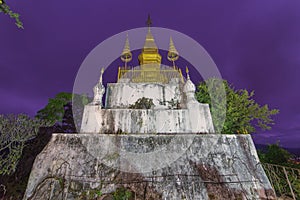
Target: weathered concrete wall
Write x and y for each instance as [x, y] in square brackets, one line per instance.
[211, 166]
[181, 112]
[121, 95]
[195, 119]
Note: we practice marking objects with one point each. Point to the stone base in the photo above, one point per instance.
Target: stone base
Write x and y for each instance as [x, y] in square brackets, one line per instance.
[197, 119]
[90, 166]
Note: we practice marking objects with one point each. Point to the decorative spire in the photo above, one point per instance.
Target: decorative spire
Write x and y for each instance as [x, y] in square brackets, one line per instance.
[187, 73]
[101, 75]
[149, 21]
[99, 90]
[150, 54]
[189, 88]
[173, 53]
[149, 42]
[126, 55]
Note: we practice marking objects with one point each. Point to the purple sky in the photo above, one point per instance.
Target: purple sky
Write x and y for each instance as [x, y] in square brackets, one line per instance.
[255, 45]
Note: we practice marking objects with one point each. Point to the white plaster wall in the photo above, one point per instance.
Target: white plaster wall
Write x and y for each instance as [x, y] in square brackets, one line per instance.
[197, 119]
[121, 95]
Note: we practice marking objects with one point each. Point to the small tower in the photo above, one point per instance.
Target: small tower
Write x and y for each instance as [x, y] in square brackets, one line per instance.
[149, 55]
[173, 53]
[189, 88]
[99, 90]
[126, 55]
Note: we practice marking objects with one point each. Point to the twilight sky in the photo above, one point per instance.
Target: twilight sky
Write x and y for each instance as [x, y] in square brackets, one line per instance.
[255, 44]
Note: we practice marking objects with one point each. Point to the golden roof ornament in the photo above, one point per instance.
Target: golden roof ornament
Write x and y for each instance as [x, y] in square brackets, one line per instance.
[126, 55]
[149, 69]
[149, 42]
[189, 87]
[150, 54]
[187, 73]
[173, 53]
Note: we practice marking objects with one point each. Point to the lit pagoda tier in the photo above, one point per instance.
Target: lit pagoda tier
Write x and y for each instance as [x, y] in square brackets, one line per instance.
[149, 75]
[149, 98]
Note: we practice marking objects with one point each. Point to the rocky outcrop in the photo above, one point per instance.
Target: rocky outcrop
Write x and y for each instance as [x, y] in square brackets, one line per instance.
[98, 166]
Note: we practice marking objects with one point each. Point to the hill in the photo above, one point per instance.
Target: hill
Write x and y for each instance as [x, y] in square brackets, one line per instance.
[294, 151]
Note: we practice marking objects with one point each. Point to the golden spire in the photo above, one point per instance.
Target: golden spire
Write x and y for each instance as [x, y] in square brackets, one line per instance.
[126, 55]
[149, 42]
[173, 53]
[149, 53]
[150, 69]
[187, 73]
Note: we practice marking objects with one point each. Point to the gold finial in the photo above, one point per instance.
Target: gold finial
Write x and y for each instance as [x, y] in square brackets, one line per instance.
[173, 53]
[149, 43]
[149, 21]
[150, 54]
[187, 73]
[126, 55]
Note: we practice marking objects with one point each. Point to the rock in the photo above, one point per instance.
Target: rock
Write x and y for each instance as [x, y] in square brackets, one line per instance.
[91, 166]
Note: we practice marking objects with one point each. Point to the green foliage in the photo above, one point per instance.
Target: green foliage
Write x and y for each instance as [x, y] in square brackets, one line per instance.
[98, 193]
[275, 155]
[276, 162]
[15, 130]
[84, 99]
[62, 109]
[61, 182]
[6, 10]
[122, 194]
[243, 114]
[295, 183]
[91, 194]
[172, 104]
[142, 103]
[282, 177]
[54, 110]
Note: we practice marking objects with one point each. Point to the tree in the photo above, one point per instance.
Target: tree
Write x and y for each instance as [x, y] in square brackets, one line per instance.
[6, 10]
[54, 110]
[243, 114]
[62, 111]
[142, 103]
[15, 130]
[274, 154]
[22, 138]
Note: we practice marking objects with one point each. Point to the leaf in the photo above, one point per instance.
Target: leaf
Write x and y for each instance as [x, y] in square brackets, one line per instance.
[15, 130]
[6, 10]
[243, 114]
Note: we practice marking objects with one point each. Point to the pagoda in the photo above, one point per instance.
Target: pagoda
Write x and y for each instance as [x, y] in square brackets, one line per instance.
[142, 143]
[147, 99]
